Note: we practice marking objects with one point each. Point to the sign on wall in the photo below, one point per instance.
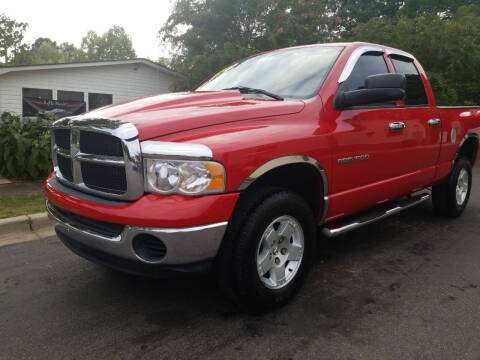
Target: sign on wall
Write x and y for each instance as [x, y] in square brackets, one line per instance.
[52, 108]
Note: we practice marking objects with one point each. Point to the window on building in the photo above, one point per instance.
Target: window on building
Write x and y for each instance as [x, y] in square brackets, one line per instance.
[416, 94]
[63, 95]
[34, 97]
[99, 100]
[371, 63]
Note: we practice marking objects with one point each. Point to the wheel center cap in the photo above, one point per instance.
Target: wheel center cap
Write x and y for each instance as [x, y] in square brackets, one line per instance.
[275, 250]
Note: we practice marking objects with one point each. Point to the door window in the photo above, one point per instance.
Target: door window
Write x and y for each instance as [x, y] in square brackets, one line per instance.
[370, 63]
[416, 94]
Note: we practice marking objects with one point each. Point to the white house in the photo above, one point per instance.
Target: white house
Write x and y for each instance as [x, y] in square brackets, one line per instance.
[73, 88]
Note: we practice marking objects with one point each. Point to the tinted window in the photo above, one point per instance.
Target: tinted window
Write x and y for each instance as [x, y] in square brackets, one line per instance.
[368, 64]
[290, 73]
[98, 100]
[32, 98]
[70, 95]
[43, 94]
[416, 94]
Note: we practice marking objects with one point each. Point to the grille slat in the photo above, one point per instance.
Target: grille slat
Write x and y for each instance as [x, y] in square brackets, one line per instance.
[104, 178]
[96, 226]
[100, 144]
[98, 156]
[62, 138]
[65, 166]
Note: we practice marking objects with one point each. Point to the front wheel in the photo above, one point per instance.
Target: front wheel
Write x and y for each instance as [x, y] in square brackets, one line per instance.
[271, 253]
[450, 198]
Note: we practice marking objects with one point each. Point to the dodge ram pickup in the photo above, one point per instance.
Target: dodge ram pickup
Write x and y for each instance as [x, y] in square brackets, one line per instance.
[247, 172]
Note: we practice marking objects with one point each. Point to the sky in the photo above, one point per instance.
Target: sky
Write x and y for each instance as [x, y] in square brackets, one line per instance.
[69, 21]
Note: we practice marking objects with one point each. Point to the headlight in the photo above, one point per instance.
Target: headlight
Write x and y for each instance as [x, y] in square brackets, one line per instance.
[184, 177]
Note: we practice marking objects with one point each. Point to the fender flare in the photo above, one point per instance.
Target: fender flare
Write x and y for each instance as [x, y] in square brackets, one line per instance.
[289, 160]
[464, 140]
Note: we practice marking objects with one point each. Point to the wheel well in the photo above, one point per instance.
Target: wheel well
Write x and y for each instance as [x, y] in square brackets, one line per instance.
[303, 179]
[469, 149]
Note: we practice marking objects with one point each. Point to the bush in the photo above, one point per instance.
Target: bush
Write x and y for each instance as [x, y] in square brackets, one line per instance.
[24, 149]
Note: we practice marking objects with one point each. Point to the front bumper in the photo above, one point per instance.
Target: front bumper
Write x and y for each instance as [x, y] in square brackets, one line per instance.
[187, 245]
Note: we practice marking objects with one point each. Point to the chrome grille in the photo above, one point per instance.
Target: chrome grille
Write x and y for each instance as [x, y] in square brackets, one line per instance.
[101, 156]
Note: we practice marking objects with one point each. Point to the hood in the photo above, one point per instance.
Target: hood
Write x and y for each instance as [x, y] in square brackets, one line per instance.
[170, 113]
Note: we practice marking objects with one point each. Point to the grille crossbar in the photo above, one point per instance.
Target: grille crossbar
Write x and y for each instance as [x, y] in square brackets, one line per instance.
[99, 161]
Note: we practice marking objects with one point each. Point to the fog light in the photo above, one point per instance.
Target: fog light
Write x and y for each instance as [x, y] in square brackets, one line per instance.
[149, 248]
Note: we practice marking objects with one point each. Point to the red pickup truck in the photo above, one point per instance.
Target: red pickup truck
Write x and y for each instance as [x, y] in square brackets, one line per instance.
[241, 174]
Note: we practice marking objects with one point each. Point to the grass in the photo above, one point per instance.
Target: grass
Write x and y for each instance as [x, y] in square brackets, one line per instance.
[23, 204]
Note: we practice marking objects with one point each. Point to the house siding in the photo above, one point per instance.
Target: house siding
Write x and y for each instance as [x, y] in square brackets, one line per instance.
[123, 81]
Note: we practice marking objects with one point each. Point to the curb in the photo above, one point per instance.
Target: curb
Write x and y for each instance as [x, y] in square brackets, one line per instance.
[25, 228]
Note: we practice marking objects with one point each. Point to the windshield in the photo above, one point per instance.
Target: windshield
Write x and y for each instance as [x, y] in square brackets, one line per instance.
[290, 73]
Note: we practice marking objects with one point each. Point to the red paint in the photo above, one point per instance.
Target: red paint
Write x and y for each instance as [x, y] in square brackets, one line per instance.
[152, 210]
[244, 133]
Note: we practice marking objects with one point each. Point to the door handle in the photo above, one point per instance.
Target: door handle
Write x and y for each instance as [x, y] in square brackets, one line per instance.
[396, 126]
[434, 122]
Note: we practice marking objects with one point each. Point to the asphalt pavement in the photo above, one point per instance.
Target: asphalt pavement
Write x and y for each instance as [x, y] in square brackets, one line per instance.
[404, 288]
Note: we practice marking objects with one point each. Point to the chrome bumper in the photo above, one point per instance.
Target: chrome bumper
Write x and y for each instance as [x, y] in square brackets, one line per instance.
[183, 245]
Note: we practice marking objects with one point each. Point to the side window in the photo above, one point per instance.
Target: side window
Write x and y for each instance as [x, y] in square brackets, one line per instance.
[416, 94]
[368, 64]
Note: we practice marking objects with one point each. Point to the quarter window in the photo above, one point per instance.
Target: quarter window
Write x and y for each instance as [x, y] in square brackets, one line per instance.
[370, 63]
[416, 94]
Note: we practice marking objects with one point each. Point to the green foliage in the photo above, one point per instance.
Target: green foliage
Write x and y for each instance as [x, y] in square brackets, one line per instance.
[24, 150]
[115, 44]
[448, 48]
[208, 35]
[11, 36]
[22, 204]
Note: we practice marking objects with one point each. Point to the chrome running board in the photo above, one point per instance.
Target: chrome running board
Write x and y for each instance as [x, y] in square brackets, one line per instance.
[357, 221]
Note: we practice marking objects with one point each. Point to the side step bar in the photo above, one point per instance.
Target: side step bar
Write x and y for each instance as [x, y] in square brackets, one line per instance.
[356, 222]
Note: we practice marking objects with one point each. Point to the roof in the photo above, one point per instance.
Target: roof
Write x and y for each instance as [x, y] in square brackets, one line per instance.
[8, 69]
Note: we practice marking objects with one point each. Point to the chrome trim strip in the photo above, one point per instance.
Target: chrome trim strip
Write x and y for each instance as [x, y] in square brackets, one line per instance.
[173, 150]
[59, 218]
[336, 231]
[61, 151]
[101, 159]
[352, 61]
[287, 160]
[184, 245]
[128, 135]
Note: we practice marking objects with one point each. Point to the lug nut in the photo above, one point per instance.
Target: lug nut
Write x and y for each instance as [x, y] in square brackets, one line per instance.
[283, 251]
[277, 261]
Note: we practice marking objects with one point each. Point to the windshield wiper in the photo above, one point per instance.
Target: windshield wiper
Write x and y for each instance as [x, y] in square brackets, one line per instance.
[249, 90]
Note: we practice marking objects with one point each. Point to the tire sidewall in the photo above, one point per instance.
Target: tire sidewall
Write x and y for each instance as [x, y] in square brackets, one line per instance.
[462, 163]
[279, 204]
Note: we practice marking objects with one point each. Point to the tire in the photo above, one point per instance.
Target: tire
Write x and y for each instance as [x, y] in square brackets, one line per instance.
[276, 236]
[446, 201]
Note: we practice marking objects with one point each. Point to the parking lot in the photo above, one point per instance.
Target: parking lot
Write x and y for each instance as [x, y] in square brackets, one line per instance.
[404, 288]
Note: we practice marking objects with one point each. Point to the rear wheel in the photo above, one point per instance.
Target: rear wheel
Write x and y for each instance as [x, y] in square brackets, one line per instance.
[269, 257]
[450, 198]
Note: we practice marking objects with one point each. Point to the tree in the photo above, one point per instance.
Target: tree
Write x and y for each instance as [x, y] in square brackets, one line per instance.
[115, 44]
[11, 36]
[447, 47]
[207, 35]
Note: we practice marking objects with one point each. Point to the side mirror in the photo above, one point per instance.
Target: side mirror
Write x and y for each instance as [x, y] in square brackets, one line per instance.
[378, 89]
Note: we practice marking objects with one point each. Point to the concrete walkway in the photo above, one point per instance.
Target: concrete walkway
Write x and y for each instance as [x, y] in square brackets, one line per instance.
[17, 187]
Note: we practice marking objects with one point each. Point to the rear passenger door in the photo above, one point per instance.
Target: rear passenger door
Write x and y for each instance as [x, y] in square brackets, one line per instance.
[373, 161]
[420, 120]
